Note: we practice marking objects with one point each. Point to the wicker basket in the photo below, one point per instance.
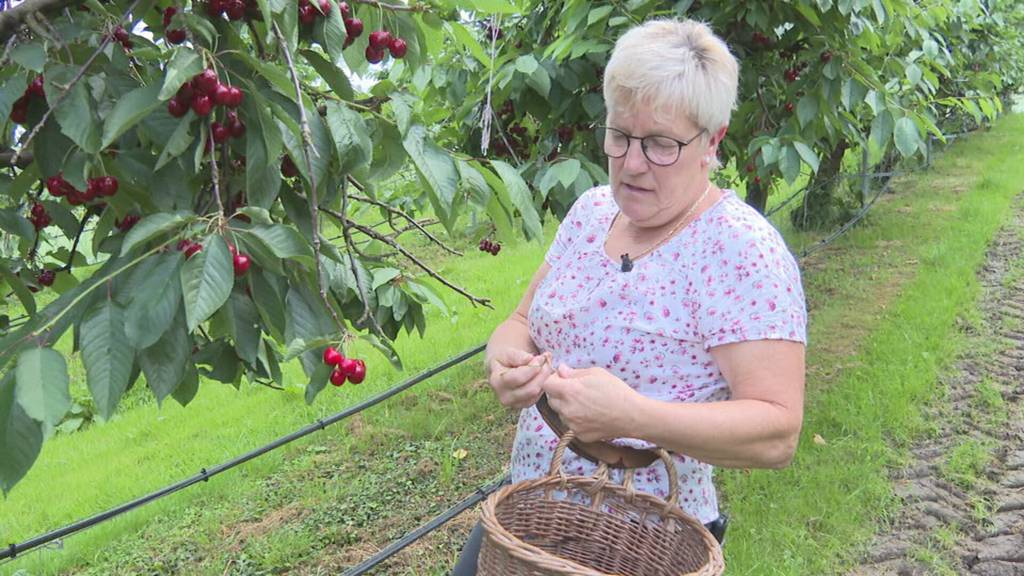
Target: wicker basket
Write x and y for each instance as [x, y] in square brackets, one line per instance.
[562, 525]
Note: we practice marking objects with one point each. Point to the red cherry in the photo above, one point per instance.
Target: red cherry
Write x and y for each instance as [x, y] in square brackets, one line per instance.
[236, 10]
[750, 167]
[220, 95]
[354, 27]
[237, 128]
[127, 223]
[40, 222]
[108, 185]
[380, 38]
[121, 35]
[215, 8]
[241, 263]
[826, 56]
[789, 106]
[332, 356]
[325, 7]
[19, 112]
[35, 88]
[202, 104]
[93, 189]
[176, 107]
[345, 10]
[288, 169]
[347, 365]
[46, 277]
[186, 92]
[206, 81]
[337, 377]
[220, 132]
[358, 372]
[374, 55]
[38, 209]
[169, 13]
[56, 185]
[235, 97]
[176, 35]
[307, 14]
[398, 48]
[192, 249]
[757, 180]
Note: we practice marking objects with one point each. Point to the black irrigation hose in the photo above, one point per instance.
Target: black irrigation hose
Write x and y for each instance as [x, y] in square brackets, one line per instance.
[439, 520]
[204, 475]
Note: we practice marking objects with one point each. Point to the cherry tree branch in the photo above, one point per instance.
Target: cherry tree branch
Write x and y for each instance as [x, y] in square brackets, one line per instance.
[395, 7]
[314, 208]
[346, 231]
[412, 222]
[12, 19]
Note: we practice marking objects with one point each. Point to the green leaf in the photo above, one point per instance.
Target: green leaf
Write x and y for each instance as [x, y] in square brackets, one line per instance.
[129, 110]
[462, 36]
[14, 223]
[30, 56]
[493, 6]
[153, 226]
[20, 290]
[333, 75]
[527, 64]
[164, 363]
[789, 164]
[13, 88]
[155, 302]
[317, 382]
[521, 198]
[21, 437]
[187, 389]
[807, 155]
[183, 66]
[245, 327]
[470, 177]
[907, 137]
[567, 171]
[540, 81]
[77, 120]
[913, 72]
[298, 347]
[807, 109]
[179, 141]
[307, 320]
[42, 376]
[436, 168]
[334, 33]
[206, 281]
[283, 242]
[269, 302]
[426, 294]
[881, 128]
[107, 354]
[382, 276]
[351, 138]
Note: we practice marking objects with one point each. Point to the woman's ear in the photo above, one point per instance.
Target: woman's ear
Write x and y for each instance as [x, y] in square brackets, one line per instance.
[717, 137]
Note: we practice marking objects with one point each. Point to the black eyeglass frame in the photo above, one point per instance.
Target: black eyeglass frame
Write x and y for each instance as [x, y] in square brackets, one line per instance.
[643, 147]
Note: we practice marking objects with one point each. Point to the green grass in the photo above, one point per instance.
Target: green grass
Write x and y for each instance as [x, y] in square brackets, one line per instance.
[885, 302]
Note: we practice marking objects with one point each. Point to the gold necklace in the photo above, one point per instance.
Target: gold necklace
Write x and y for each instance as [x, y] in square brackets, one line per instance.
[627, 262]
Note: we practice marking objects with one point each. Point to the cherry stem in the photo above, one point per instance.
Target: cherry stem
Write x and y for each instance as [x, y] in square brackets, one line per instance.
[403, 214]
[74, 245]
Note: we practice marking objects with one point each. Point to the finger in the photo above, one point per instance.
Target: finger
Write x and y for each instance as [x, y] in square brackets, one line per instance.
[523, 396]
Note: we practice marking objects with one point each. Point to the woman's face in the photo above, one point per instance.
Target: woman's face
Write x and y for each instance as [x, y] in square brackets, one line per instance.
[648, 194]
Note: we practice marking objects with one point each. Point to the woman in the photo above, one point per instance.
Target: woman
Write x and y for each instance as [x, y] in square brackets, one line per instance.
[673, 311]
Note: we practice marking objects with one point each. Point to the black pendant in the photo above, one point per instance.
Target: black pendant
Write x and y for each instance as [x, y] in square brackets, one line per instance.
[627, 264]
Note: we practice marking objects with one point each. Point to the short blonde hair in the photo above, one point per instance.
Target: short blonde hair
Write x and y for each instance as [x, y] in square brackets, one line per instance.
[673, 67]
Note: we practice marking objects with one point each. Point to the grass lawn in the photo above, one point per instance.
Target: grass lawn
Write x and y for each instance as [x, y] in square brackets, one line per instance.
[883, 300]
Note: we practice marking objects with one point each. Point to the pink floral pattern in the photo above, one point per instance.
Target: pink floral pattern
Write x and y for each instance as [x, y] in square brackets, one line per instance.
[726, 277]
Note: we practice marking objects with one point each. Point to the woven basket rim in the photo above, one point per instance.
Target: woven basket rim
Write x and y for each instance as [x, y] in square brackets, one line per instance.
[516, 547]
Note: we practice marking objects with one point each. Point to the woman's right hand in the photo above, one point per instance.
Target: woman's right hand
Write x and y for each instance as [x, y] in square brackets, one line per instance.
[517, 375]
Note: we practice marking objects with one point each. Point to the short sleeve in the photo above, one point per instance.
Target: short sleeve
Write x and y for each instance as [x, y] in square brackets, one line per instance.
[570, 229]
[752, 291]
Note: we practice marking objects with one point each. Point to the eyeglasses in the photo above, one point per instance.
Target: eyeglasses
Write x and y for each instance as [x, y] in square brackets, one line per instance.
[660, 150]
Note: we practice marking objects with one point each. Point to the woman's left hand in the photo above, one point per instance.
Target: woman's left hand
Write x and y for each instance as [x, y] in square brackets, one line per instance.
[592, 402]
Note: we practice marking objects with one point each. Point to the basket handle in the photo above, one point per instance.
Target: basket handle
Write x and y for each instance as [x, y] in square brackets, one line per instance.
[597, 452]
[568, 437]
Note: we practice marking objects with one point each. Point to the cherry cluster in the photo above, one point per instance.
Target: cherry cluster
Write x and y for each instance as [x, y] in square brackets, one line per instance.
[202, 93]
[122, 36]
[234, 9]
[102, 186]
[488, 246]
[127, 223]
[351, 369]
[173, 35]
[19, 111]
[38, 216]
[381, 41]
[308, 13]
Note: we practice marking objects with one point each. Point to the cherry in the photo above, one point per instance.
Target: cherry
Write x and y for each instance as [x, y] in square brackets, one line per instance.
[357, 373]
[380, 38]
[332, 356]
[288, 169]
[169, 13]
[107, 185]
[826, 57]
[35, 88]
[789, 106]
[127, 223]
[338, 377]
[215, 8]
[221, 133]
[40, 222]
[791, 74]
[374, 55]
[566, 133]
[307, 14]
[176, 35]
[176, 107]
[325, 6]
[345, 10]
[186, 92]
[19, 112]
[93, 189]
[750, 167]
[237, 128]
[354, 27]
[398, 48]
[38, 209]
[57, 186]
[757, 180]
[241, 263]
[122, 36]
[221, 95]
[236, 10]
[206, 81]
[202, 104]
[46, 277]
[235, 97]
